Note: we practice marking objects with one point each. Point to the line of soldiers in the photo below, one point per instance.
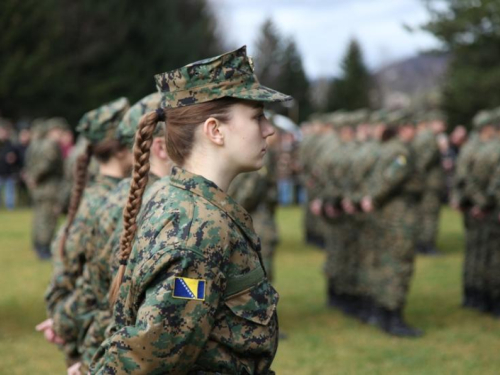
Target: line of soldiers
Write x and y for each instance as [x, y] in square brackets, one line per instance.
[374, 182]
[476, 193]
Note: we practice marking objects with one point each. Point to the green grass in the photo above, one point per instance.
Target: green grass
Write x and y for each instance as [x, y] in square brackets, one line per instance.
[320, 341]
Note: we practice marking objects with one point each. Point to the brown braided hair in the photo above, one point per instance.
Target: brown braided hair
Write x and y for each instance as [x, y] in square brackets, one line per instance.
[181, 124]
[102, 151]
[80, 180]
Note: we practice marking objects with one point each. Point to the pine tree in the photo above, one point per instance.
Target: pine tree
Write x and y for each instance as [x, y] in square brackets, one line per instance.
[278, 64]
[470, 31]
[352, 90]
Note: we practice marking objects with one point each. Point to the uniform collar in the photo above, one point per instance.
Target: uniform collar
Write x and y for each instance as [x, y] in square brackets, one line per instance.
[208, 190]
[107, 181]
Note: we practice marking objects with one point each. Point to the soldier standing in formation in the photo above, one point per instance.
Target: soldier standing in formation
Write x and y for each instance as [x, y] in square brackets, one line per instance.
[194, 296]
[476, 194]
[44, 170]
[99, 127]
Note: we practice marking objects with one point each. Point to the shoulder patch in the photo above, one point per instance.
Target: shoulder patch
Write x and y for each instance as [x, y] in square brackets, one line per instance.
[185, 288]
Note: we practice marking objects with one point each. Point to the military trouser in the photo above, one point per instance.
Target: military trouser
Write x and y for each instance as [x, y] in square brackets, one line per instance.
[428, 223]
[45, 214]
[476, 256]
[492, 273]
[342, 260]
[367, 237]
[394, 253]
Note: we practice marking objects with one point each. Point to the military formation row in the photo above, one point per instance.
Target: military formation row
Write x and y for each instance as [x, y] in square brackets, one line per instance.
[374, 184]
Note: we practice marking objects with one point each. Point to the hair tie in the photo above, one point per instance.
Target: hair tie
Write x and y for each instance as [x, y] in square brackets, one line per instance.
[123, 262]
[160, 112]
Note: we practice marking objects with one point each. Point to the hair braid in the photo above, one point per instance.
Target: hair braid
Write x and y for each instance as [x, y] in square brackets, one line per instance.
[142, 146]
[80, 180]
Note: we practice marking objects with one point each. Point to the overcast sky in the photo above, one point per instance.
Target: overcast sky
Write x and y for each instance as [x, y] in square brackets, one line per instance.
[323, 28]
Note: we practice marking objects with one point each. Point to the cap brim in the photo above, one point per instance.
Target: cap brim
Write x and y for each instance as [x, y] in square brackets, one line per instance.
[261, 94]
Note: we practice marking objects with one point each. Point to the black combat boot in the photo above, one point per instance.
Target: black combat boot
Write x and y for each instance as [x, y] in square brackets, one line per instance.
[480, 301]
[334, 299]
[350, 305]
[495, 308]
[365, 308]
[468, 298]
[44, 253]
[394, 325]
[376, 315]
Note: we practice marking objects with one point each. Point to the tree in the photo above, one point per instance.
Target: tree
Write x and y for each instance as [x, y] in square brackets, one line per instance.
[278, 64]
[352, 90]
[293, 80]
[470, 31]
[65, 57]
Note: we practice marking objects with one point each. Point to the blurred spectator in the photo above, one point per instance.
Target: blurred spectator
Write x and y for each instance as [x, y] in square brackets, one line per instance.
[10, 165]
[24, 139]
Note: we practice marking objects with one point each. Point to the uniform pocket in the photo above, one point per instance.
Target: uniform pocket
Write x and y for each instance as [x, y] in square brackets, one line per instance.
[256, 304]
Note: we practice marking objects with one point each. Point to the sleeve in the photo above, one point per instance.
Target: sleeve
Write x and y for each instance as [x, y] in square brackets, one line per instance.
[171, 327]
[389, 176]
[43, 166]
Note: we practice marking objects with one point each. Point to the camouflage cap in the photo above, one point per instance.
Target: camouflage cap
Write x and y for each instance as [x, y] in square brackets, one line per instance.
[481, 119]
[56, 123]
[227, 75]
[130, 122]
[101, 123]
[378, 116]
[495, 116]
[398, 118]
[360, 116]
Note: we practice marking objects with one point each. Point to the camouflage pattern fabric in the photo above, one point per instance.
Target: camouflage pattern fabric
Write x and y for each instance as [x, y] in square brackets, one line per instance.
[257, 193]
[90, 298]
[100, 124]
[342, 257]
[227, 75]
[190, 231]
[394, 189]
[44, 168]
[363, 164]
[67, 272]
[428, 164]
[477, 191]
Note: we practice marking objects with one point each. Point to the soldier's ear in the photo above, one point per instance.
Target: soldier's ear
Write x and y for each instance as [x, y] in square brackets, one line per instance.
[212, 130]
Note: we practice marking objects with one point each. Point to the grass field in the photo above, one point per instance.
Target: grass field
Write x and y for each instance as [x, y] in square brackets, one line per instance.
[320, 341]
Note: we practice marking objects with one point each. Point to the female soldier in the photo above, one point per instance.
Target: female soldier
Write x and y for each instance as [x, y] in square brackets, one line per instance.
[195, 298]
[114, 159]
[89, 304]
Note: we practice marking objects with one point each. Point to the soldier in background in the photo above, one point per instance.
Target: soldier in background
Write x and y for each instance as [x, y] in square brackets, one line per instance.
[44, 173]
[479, 204]
[10, 161]
[393, 197]
[428, 164]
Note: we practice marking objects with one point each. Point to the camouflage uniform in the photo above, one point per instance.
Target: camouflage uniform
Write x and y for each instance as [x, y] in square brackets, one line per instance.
[483, 164]
[195, 297]
[44, 169]
[428, 164]
[363, 165]
[493, 267]
[395, 191]
[257, 193]
[96, 125]
[89, 303]
[155, 331]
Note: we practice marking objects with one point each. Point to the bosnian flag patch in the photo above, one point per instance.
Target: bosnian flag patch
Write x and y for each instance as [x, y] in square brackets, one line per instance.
[185, 288]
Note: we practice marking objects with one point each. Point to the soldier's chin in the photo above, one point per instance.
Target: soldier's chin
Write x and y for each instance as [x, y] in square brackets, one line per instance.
[252, 167]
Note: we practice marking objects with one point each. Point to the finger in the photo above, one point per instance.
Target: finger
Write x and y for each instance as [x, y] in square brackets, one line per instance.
[43, 325]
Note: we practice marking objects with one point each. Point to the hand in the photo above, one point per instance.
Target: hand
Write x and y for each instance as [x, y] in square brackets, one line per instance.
[455, 205]
[348, 206]
[11, 158]
[315, 206]
[477, 213]
[75, 369]
[367, 204]
[331, 211]
[48, 332]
